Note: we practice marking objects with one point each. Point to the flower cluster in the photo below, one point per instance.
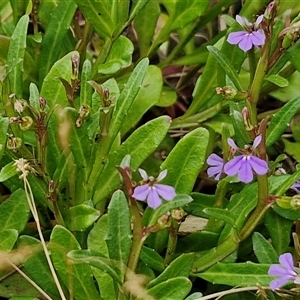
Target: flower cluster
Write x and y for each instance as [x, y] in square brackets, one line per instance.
[151, 191]
[251, 36]
[242, 165]
[286, 272]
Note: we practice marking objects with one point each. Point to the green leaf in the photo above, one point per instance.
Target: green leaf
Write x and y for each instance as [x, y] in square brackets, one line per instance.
[145, 24]
[8, 237]
[118, 238]
[36, 266]
[226, 65]
[96, 260]
[139, 145]
[263, 249]
[279, 229]
[171, 289]
[148, 95]
[237, 274]
[152, 259]
[195, 296]
[119, 56]
[179, 267]
[186, 160]
[178, 201]
[55, 35]
[281, 120]
[80, 217]
[167, 98]
[278, 80]
[14, 212]
[8, 171]
[126, 98]
[86, 90]
[52, 89]
[34, 98]
[4, 123]
[15, 57]
[97, 14]
[221, 214]
[61, 242]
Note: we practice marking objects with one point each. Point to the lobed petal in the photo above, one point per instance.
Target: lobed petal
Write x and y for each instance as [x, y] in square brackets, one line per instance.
[215, 170]
[258, 21]
[236, 37]
[258, 165]
[257, 141]
[286, 260]
[165, 191]
[279, 282]
[257, 38]
[278, 270]
[246, 43]
[232, 167]
[245, 174]
[242, 21]
[162, 175]
[214, 160]
[143, 174]
[232, 144]
[153, 199]
[141, 192]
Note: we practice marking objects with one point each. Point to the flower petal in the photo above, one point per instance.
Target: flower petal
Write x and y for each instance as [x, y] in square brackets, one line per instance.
[162, 175]
[287, 261]
[236, 37]
[232, 144]
[258, 165]
[242, 21]
[143, 174]
[277, 283]
[258, 21]
[215, 170]
[214, 160]
[256, 141]
[153, 199]
[165, 191]
[246, 43]
[141, 192]
[232, 167]
[257, 38]
[245, 174]
[278, 270]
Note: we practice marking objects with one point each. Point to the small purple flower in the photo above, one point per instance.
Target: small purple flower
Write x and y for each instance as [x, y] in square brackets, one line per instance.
[152, 192]
[216, 166]
[244, 165]
[296, 187]
[286, 271]
[251, 36]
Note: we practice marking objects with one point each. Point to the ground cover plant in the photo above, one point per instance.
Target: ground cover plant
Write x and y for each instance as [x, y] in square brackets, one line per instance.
[149, 149]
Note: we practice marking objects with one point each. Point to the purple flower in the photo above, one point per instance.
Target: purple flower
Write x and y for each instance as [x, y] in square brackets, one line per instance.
[286, 271]
[244, 165]
[296, 187]
[216, 166]
[152, 192]
[251, 36]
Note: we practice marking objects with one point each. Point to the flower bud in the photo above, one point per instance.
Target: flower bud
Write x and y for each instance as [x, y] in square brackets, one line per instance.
[42, 103]
[270, 10]
[246, 118]
[75, 66]
[178, 214]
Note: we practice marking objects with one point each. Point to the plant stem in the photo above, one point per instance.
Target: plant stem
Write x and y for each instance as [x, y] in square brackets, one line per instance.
[261, 207]
[233, 291]
[172, 242]
[34, 212]
[138, 236]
